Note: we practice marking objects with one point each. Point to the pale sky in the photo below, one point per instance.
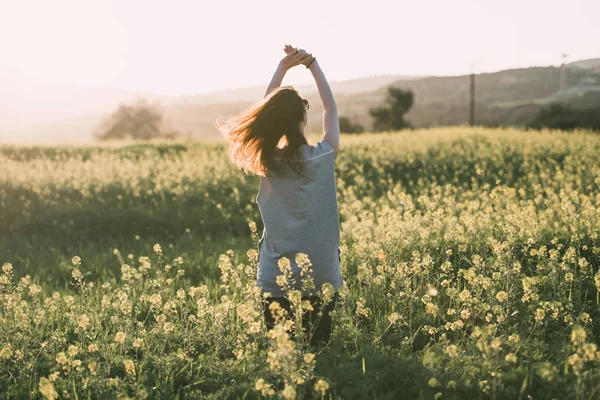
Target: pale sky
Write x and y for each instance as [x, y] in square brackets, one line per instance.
[192, 47]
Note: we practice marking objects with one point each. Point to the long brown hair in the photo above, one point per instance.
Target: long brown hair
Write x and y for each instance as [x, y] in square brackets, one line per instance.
[255, 135]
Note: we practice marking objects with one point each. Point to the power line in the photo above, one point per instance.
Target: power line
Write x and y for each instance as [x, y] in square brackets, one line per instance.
[472, 102]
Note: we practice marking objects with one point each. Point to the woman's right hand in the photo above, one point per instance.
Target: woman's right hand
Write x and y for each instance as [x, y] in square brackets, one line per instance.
[294, 57]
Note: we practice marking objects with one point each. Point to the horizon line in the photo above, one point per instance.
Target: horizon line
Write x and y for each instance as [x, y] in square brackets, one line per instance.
[257, 85]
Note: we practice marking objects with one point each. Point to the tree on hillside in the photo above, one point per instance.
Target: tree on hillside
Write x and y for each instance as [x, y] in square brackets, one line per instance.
[392, 117]
[563, 117]
[138, 121]
[347, 126]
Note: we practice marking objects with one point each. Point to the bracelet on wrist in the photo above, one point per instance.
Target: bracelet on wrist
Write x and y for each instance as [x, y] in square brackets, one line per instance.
[311, 61]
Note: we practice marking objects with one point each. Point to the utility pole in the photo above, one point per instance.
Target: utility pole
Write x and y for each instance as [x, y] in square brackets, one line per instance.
[472, 102]
[563, 78]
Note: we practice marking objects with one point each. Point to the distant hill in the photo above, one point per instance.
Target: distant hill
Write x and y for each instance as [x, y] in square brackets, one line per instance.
[592, 64]
[36, 112]
[255, 93]
[510, 97]
[31, 110]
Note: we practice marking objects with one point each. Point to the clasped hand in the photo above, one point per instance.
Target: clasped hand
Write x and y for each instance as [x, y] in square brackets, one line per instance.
[295, 57]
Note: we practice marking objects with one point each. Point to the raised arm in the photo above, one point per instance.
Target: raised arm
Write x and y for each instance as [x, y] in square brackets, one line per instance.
[276, 79]
[331, 122]
[294, 57]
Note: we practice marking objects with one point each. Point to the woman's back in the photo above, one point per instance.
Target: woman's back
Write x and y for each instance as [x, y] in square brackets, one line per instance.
[300, 215]
[298, 203]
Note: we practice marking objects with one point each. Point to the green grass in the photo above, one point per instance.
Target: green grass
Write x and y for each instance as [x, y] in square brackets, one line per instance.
[470, 259]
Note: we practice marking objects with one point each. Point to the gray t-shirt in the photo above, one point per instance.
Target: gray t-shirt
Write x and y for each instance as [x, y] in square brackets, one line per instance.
[300, 215]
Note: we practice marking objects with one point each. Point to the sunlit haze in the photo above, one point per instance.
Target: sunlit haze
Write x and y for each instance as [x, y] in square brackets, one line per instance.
[193, 47]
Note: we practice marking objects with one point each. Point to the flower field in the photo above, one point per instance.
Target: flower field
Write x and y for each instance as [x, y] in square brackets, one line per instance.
[470, 257]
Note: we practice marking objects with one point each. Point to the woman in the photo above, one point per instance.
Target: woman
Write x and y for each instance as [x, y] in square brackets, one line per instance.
[297, 194]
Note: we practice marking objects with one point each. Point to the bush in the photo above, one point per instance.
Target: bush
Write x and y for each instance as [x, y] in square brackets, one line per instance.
[138, 121]
[346, 126]
[392, 117]
[563, 117]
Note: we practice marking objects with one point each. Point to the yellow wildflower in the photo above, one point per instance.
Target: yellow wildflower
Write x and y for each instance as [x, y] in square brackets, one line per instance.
[321, 386]
[433, 382]
[578, 335]
[46, 388]
[309, 357]
[120, 337]
[83, 321]
[540, 314]
[61, 358]
[7, 268]
[289, 393]
[129, 367]
[73, 350]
